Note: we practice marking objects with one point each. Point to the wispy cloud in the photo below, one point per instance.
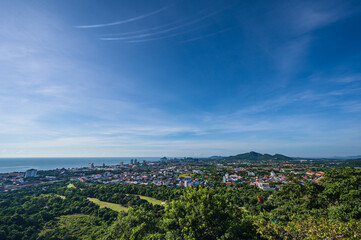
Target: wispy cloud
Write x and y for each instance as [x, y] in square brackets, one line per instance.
[133, 19]
[307, 17]
[349, 78]
[211, 34]
[179, 33]
[352, 106]
[144, 37]
[145, 30]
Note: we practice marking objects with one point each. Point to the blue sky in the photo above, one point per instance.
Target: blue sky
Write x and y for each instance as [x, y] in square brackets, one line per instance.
[179, 78]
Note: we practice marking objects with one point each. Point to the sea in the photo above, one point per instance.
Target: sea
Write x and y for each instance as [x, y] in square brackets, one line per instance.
[8, 165]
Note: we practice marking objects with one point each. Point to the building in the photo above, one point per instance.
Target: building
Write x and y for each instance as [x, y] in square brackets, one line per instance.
[181, 183]
[187, 178]
[31, 173]
[273, 174]
[120, 163]
[187, 183]
[91, 165]
[265, 187]
[233, 178]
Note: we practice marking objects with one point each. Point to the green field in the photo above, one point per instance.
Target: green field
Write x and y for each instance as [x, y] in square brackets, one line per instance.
[152, 200]
[113, 206]
[71, 186]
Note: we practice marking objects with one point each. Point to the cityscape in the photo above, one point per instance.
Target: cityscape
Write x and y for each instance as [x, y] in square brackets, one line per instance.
[178, 172]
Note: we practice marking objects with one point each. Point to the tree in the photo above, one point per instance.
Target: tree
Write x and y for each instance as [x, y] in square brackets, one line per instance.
[134, 225]
[203, 214]
[309, 228]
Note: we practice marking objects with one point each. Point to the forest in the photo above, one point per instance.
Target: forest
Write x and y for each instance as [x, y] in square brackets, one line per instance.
[327, 209]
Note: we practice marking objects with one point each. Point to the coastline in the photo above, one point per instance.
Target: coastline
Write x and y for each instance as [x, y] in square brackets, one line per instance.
[8, 165]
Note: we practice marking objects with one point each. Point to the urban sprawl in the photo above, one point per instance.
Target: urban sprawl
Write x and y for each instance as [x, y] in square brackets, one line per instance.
[268, 175]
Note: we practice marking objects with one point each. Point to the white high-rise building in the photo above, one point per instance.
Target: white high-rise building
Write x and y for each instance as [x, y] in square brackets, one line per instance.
[31, 173]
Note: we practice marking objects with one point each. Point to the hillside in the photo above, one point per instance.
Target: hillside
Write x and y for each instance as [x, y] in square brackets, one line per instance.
[254, 156]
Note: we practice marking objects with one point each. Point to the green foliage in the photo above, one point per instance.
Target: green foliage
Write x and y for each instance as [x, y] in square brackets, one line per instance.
[136, 224]
[330, 209]
[336, 197]
[203, 214]
[77, 226]
[309, 228]
[26, 212]
[352, 163]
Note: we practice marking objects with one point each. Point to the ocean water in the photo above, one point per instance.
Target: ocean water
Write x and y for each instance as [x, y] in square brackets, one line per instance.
[22, 164]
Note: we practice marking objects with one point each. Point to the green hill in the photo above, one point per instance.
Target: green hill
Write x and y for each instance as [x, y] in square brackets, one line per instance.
[254, 156]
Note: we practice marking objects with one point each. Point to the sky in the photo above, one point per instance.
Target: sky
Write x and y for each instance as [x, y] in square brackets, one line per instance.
[179, 78]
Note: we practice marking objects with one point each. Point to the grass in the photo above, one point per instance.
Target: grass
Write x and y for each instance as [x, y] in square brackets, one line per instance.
[152, 200]
[113, 206]
[71, 186]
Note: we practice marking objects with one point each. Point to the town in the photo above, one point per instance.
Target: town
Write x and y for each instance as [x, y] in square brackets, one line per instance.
[268, 175]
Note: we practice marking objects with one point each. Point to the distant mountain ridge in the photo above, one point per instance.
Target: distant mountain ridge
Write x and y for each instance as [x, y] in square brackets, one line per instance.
[255, 156]
[347, 157]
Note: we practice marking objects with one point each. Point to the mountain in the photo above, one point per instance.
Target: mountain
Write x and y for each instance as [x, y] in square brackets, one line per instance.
[254, 156]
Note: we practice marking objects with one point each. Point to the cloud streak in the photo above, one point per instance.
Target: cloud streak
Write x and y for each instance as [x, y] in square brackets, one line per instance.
[129, 20]
[211, 34]
[141, 36]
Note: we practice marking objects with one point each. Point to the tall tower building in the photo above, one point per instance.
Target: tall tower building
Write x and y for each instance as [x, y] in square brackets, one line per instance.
[31, 173]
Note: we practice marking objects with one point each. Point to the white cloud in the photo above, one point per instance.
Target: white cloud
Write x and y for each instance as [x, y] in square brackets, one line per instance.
[132, 19]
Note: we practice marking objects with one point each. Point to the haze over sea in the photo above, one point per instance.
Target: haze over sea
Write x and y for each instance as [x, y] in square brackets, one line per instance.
[22, 164]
